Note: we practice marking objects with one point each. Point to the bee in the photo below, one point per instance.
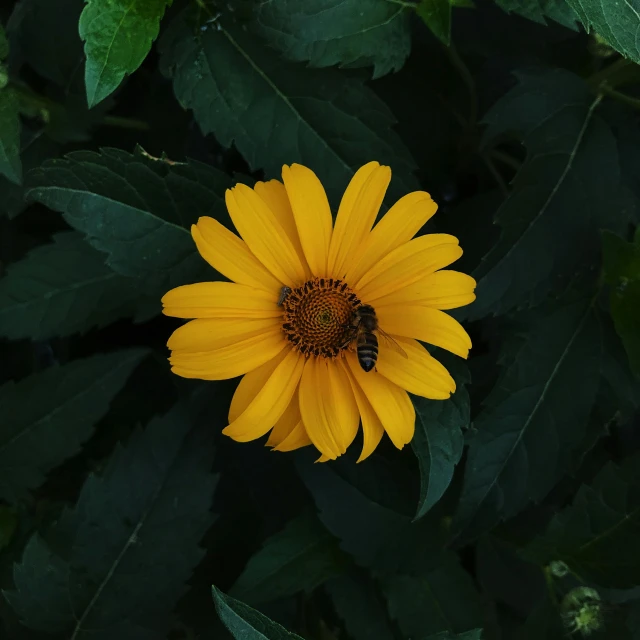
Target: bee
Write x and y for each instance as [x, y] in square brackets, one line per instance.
[363, 328]
[284, 294]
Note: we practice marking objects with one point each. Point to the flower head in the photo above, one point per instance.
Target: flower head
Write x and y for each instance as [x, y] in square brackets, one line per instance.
[323, 320]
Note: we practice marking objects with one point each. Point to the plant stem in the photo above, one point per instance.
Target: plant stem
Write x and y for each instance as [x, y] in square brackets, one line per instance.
[607, 90]
[465, 75]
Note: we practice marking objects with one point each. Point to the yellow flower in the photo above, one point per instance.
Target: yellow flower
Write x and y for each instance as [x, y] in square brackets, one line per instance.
[288, 321]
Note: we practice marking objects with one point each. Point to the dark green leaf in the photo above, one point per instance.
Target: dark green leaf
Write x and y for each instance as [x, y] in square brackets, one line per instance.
[246, 623]
[118, 35]
[42, 29]
[439, 440]
[595, 536]
[354, 33]
[278, 113]
[534, 418]
[47, 416]
[543, 622]
[137, 210]
[10, 163]
[616, 22]
[443, 599]
[4, 44]
[357, 603]
[437, 16]
[541, 10]
[300, 557]
[115, 565]
[622, 271]
[373, 534]
[8, 525]
[568, 188]
[63, 288]
[474, 634]
[36, 148]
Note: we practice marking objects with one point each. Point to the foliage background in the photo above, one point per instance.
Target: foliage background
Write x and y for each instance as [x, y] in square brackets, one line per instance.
[120, 502]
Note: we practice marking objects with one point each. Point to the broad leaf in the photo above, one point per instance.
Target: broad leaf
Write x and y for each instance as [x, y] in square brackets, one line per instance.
[437, 16]
[534, 419]
[359, 605]
[375, 535]
[353, 33]
[117, 37]
[439, 440]
[566, 191]
[137, 210]
[616, 22]
[542, 10]
[116, 564]
[4, 44]
[300, 557]
[63, 288]
[47, 416]
[441, 600]
[246, 623]
[278, 113]
[622, 272]
[594, 535]
[10, 163]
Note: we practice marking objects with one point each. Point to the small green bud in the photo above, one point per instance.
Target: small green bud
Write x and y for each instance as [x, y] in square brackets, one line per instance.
[582, 611]
[558, 569]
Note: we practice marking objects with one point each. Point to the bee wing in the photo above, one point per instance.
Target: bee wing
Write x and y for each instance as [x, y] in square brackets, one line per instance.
[392, 343]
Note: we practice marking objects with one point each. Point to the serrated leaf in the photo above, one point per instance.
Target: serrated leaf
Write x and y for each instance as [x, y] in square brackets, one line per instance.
[595, 536]
[278, 113]
[438, 440]
[541, 10]
[116, 564]
[534, 418]
[441, 600]
[375, 535]
[568, 188]
[616, 22]
[353, 33]
[137, 210]
[117, 37]
[62, 288]
[436, 14]
[246, 623]
[357, 603]
[10, 163]
[47, 416]
[299, 558]
[622, 271]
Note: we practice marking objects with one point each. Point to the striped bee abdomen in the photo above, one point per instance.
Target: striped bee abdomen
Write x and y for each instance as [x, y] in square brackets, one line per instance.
[367, 350]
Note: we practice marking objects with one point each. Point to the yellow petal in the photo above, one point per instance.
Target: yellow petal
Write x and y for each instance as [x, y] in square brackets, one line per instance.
[312, 215]
[441, 290]
[391, 403]
[231, 360]
[297, 439]
[275, 195]
[285, 424]
[328, 406]
[250, 385]
[407, 264]
[211, 333]
[270, 403]
[426, 324]
[420, 373]
[372, 429]
[230, 256]
[357, 213]
[264, 235]
[220, 300]
[405, 218]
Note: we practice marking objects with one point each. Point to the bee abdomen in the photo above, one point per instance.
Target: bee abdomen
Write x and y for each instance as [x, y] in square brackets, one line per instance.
[367, 350]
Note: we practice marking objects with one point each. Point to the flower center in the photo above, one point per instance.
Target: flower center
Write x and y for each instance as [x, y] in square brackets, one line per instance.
[317, 316]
